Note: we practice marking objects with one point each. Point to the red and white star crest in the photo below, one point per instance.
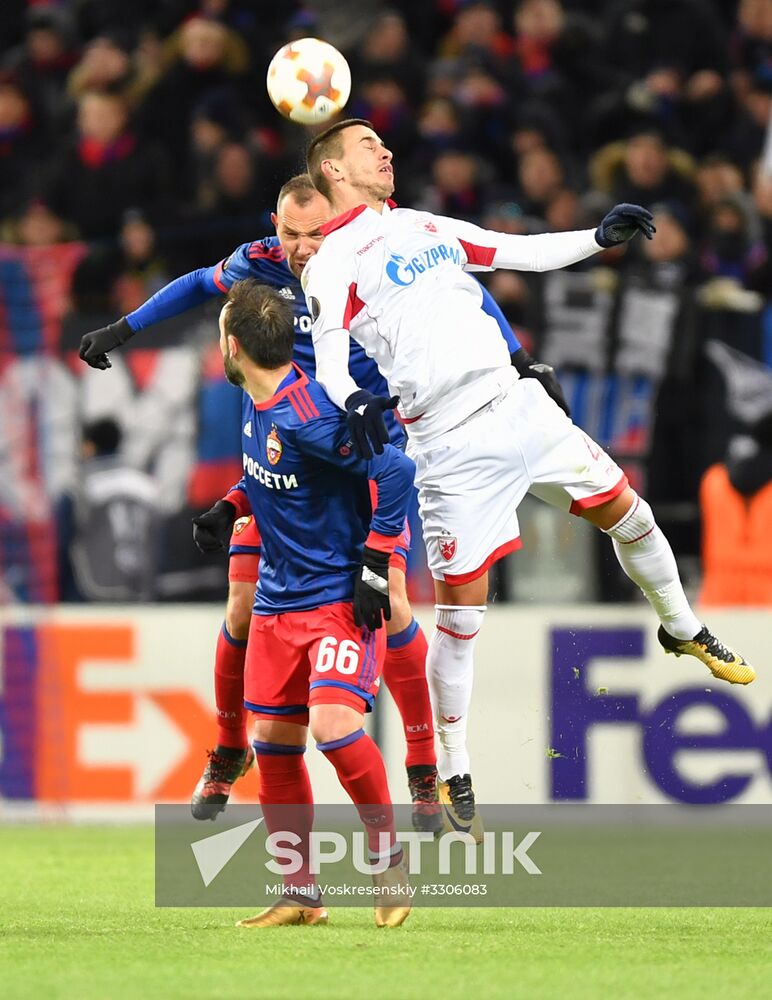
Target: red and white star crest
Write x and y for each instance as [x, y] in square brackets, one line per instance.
[447, 545]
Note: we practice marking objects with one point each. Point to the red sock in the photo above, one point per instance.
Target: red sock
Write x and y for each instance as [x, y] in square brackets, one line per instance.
[362, 773]
[404, 673]
[287, 803]
[229, 690]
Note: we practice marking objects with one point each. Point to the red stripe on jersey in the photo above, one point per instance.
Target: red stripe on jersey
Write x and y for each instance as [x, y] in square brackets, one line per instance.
[302, 391]
[298, 406]
[302, 380]
[341, 220]
[353, 305]
[478, 255]
[216, 278]
[258, 250]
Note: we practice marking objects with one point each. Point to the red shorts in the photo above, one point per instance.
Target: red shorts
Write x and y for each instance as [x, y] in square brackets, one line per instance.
[244, 551]
[304, 658]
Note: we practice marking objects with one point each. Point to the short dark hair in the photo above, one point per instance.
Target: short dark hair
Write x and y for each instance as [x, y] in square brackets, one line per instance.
[104, 435]
[326, 145]
[262, 322]
[300, 188]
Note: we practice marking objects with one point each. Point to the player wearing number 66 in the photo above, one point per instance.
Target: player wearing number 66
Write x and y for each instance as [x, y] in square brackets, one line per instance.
[316, 645]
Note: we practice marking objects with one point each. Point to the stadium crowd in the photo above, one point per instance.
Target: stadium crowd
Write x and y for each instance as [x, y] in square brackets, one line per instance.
[143, 132]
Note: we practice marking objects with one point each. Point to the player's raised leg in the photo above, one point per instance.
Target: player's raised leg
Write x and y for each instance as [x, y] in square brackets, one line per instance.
[232, 756]
[404, 673]
[573, 472]
[645, 555]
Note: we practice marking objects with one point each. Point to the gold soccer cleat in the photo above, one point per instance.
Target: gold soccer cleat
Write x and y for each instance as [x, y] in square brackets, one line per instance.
[458, 807]
[721, 661]
[284, 913]
[393, 900]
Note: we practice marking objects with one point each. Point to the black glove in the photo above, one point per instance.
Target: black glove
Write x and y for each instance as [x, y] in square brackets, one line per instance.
[364, 415]
[212, 530]
[528, 368]
[622, 223]
[95, 345]
[371, 590]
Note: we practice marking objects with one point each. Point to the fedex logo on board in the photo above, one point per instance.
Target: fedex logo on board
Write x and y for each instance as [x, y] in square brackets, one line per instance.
[578, 709]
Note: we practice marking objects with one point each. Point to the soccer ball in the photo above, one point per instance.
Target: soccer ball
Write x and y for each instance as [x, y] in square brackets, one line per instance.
[308, 81]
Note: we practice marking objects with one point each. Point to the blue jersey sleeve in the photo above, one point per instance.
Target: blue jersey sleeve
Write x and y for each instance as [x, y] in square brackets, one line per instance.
[193, 289]
[177, 297]
[490, 306]
[327, 438]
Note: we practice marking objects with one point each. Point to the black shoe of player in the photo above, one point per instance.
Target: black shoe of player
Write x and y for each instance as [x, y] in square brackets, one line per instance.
[225, 765]
[427, 811]
[459, 811]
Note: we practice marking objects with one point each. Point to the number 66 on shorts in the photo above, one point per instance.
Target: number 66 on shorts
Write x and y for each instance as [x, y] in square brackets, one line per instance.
[303, 658]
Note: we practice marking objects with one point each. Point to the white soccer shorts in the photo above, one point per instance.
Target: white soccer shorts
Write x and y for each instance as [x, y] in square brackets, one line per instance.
[472, 478]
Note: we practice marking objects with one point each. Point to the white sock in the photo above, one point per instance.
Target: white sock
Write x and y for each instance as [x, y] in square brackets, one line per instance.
[450, 671]
[646, 557]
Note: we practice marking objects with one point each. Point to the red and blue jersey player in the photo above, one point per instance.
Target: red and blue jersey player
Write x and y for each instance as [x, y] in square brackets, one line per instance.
[316, 642]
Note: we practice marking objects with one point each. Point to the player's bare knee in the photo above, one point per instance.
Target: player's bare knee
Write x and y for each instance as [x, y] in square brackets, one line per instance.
[333, 722]
[275, 731]
[238, 611]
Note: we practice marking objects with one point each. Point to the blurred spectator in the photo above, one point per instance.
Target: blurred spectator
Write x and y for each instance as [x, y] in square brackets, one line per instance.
[204, 57]
[106, 170]
[736, 507]
[386, 50]
[733, 246]
[383, 102]
[540, 177]
[107, 527]
[562, 212]
[44, 59]
[108, 65]
[231, 207]
[37, 226]
[744, 140]
[477, 32]
[669, 261]
[751, 44]
[716, 178]
[22, 147]
[644, 171]
[143, 269]
[457, 187]
[559, 58]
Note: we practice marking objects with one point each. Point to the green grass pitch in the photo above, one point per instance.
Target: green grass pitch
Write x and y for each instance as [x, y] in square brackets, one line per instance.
[77, 921]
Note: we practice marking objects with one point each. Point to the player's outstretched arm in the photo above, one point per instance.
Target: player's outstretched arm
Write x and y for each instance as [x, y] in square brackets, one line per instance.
[177, 297]
[186, 292]
[487, 250]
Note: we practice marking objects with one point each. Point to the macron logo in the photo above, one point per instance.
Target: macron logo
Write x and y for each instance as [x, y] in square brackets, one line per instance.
[248, 428]
[213, 853]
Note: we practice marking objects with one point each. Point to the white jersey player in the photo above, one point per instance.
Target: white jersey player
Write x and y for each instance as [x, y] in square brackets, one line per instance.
[396, 281]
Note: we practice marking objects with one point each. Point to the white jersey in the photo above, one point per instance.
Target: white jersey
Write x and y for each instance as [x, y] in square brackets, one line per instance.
[396, 282]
